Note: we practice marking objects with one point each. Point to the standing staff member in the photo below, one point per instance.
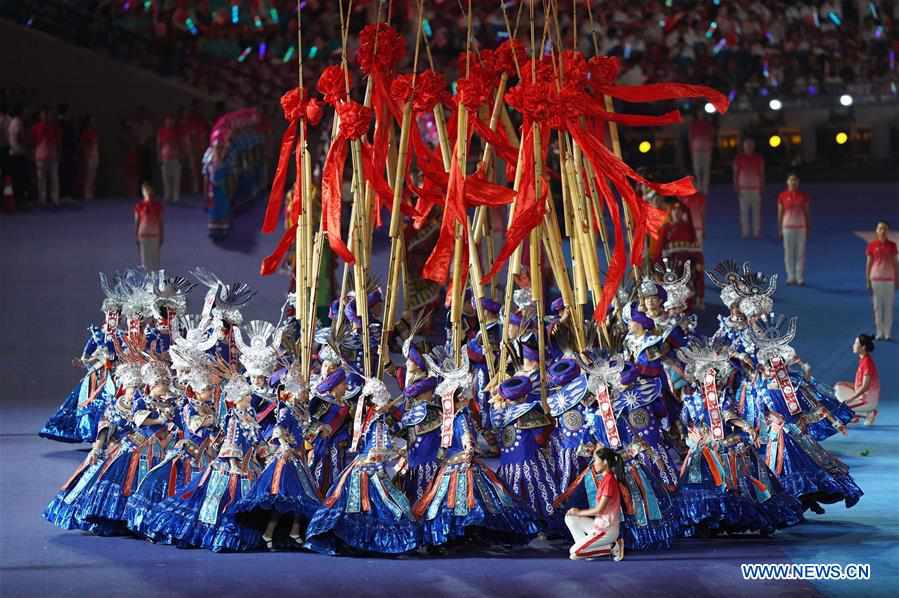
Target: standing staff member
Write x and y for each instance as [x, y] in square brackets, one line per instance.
[749, 180]
[880, 273]
[793, 225]
[702, 137]
[148, 228]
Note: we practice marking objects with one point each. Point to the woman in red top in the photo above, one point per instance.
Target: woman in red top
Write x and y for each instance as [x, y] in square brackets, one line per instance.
[595, 530]
[148, 228]
[793, 227]
[882, 279]
[864, 395]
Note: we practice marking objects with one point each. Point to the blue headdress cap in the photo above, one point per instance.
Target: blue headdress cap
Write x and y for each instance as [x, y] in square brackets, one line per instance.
[529, 352]
[475, 351]
[641, 318]
[375, 297]
[417, 358]
[515, 319]
[563, 371]
[489, 305]
[331, 382]
[420, 386]
[557, 305]
[515, 388]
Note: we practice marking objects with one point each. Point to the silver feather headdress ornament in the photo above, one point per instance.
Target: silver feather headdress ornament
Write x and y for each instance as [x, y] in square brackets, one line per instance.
[236, 388]
[453, 378]
[701, 355]
[725, 276]
[375, 390]
[677, 286]
[127, 374]
[259, 356]
[114, 296]
[603, 371]
[155, 372]
[190, 342]
[771, 339]
[756, 291]
[137, 289]
[170, 293]
[226, 300]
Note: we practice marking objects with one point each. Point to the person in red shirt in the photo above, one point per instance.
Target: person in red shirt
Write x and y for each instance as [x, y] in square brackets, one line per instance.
[863, 395]
[90, 156]
[595, 530]
[793, 225]
[168, 145]
[677, 241]
[702, 140]
[882, 279]
[46, 137]
[749, 180]
[148, 228]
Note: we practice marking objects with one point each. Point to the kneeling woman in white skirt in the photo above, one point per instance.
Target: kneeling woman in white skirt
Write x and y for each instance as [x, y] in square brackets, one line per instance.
[595, 530]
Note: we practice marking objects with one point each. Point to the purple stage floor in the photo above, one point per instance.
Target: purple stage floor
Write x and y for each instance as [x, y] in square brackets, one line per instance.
[48, 269]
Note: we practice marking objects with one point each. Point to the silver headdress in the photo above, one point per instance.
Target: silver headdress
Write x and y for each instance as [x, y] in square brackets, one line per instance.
[702, 355]
[259, 357]
[236, 388]
[155, 372]
[603, 371]
[223, 301]
[755, 291]
[170, 293]
[523, 299]
[293, 383]
[137, 289]
[676, 286]
[770, 338]
[190, 342]
[648, 288]
[413, 334]
[725, 276]
[128, 374]
[114, 296]
[453, 378]
[375, 390]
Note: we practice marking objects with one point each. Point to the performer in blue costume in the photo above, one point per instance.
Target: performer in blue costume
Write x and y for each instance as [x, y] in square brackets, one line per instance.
[186, 457]
[197, 516]
[364, 510]
[630, 421]
[103, 500]
[285, 491]
[466, 500]
[259, 357]
[804, 468]
[420, 421]
[524, 466]
[725, 486]
[569, 403]
[116, 429]
[329, 427]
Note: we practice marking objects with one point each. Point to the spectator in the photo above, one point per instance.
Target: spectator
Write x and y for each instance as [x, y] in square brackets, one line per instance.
[46, 137]
[702, 141]
[90, 156]
[18, 155]
[793, 227]
[168, 143]
[880, 272]
[149, 230]
[749, 179]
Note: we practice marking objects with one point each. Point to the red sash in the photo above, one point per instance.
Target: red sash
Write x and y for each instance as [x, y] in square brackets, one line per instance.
[782, 377]
[608, 416]
[710, 392]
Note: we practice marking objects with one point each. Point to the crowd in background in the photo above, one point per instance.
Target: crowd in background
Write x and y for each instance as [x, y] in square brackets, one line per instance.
[50, 158]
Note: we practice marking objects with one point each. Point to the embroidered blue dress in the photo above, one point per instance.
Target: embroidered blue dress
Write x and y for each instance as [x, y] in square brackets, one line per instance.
[77, 418]
[805, 469]
[186, 458]
[62, 510]
[197, 516]
[651, 512]
[524, 465]
[724, 484]
[421, 423]
[364, 509]
[466, 496]
[103, 501]
[568, 405]
[329, 449]
[286, 485]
